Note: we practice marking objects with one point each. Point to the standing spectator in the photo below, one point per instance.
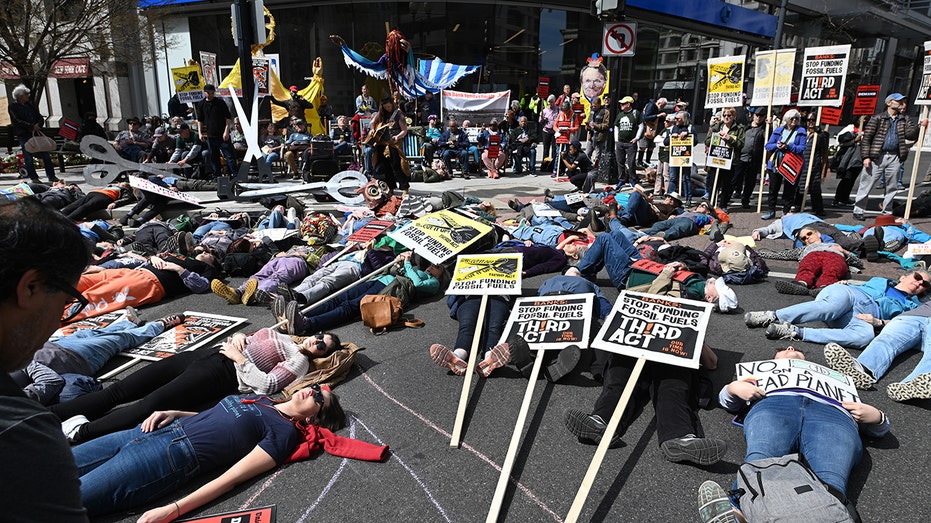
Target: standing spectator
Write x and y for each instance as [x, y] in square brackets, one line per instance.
[523, 144]
[90, 127]
[681, 129]
[653, 117]
[884, 152]
[628, 128]
[296, 105]
[599, 119]
[789, 138]
[42, 257]
[819, 167]
[547, 119]
[726, 133]
[430, 105]
[26, 121]
[662, 169]
[388, 161]
[365, 104]
[751, 158]
[176, 108]
[578, 111]
[849, 164]
[213, 126]
[566, 124]
[566, 89]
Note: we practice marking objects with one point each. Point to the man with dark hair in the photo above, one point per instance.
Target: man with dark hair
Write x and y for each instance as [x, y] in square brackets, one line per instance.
[213, 126]
[42, 257]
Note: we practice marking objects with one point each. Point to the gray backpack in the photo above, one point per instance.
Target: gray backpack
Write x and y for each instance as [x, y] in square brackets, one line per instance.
[785, 490]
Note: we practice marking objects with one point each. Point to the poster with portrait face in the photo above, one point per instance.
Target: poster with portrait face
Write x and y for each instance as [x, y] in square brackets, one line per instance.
[594, 80]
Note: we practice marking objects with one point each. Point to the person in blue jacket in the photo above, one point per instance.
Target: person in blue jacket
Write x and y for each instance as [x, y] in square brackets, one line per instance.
[790, 138]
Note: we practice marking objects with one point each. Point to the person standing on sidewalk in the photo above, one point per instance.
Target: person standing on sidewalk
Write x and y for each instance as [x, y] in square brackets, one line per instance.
[628, 128]
[26, 121]
[884, 152]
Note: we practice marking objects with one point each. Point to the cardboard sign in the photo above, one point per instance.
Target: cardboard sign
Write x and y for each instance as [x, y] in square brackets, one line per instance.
[145, 185]
[801, 376]
[773, 77]
[865, 101]
[544, 210]
[918, 249]
[831, 115]
[656, 328]
[260, 73]
[924, 88]
[440, 235]
[543, 87]
[824, 71]
[198, 329]
[680, 151]
[720, 155]
[478, 274]
[208, 63]
[97, 322]
[551, 322]
[253, 515]
[189, 83]
[725, 82]
[370, 231]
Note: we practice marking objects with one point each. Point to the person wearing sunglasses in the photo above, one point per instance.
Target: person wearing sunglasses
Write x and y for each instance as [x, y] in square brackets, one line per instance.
[907, 331]
[42, 251]
[791, 138]
[264, 363]
[821, 263]
[842, 306]
[240, 436]
[729, 135]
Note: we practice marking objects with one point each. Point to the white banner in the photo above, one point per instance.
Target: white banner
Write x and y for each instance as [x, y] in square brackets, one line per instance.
[799, 375]
[773, 74]
[146, 185]
[458, 101]
[824, 72]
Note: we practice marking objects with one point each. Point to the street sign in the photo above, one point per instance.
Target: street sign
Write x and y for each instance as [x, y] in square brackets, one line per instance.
[620, 39]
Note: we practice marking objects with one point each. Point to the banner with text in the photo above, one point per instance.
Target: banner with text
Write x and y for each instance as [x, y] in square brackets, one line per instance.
[720, 155]
[924, 88]
[370, 231]
[865, 102]
[208, 63]
[487, 274]
[824, 72]
[680, 151]
[773, 74]
[145, 185]
[440, 235]
[189, 83]
[799, 375]
[725, 82]
[657, 328]
[260, 67]
[551, 322]
[198, 329]
[478, 107]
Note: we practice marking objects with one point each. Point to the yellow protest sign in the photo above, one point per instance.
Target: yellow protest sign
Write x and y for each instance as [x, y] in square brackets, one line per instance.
[438, 236]
[725, 82]
[773, 77]
[481, 273]
[189, 83]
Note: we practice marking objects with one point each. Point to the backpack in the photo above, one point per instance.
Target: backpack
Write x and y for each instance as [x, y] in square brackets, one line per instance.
[318, 229]
[381, 311]
[240, 264]
[181, 223]
[785, 490]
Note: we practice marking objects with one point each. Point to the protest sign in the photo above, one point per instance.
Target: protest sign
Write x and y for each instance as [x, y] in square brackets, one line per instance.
[253, 515]
[801, 376]
[656, 328]
[260, 73]
[824, 71]
[725, 82]
[918, 249]
[865, 102]
[680, 151]
[832, 115]
[773, 78]
[189, 83]
[145, 185]
[208, 63]
[440, 235]
[551, 322]
[720, 155]
[96, 322]
[543, 87]
[370, 231]
[924, 88]
[198, 329]
[544, 209]
[481, 274]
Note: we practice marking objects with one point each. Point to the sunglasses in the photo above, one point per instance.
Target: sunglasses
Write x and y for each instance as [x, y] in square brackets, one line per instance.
[318, 394]
[924, 283]
[806, 235]
[74, 307]
[728, 116]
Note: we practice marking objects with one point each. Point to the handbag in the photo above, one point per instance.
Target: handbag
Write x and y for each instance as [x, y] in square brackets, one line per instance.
[791, 166]
[381, 311]
[39, 143]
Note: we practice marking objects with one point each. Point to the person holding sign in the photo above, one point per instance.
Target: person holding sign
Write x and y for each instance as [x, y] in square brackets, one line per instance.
[465, 309]
[825, 431]
[840, 306]
[790, 139]
[725, 140]
[884, 152]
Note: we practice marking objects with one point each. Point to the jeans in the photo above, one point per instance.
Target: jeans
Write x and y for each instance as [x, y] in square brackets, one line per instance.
[519, 160]
[685, 191]
[367, 153]
[29, 160]
[786, 423]
[208, 227]
[275, 220]
[901, 334]
[130, 468]
[497, 312]
[887, 168]
[638, 211]
[613, 251]
[97, 346]
[328, 280]
[674, 228]
[837, 305]
[461, 154]
[340, 309]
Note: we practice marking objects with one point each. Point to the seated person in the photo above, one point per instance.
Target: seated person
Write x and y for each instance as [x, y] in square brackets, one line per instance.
[432, 137]
[455, 144]
[263, 363]
[907, 331]
[494, 156]
[840, 306]
[522, 142]
[674, 392]
[578, 167]
[163, 147]
[465, 309]
[188, 147]
[342, 137]
[105, 198]
[688, 223]
[63, 369]
[131, 143]
[238, 139]
[787, 421]
[297, 145]
[272, 145]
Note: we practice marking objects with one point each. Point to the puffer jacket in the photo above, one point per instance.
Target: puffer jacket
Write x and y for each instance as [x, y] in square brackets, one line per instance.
[874, 135]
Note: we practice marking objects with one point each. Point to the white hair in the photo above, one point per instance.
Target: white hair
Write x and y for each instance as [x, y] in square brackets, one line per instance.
[20, 90]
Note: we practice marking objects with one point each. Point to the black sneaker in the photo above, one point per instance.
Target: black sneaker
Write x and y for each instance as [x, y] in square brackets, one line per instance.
[589, 428]
[520, 355]
[567, 360]
[701, 451]
[796, 288]
[285, 292]
[296, 323]
[871, 248]
[514, 205]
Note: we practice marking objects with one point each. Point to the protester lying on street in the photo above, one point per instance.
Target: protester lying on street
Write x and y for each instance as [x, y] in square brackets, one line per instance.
[841, 305]
[737, 263]
[57, 195]
[465, 310]
[155, 237]
[261, 288]
[64, 369]
[262, 363]
[242, 437]
[674, 391]
[827, 433]
[907, 331]
[331, 275]
[688, 223]
[642, 211]
[886, 233]
[554, 232]
[820, 264]
[613, 251]
[155, 203]
[96, 200]
[790, 224]
[537, 259]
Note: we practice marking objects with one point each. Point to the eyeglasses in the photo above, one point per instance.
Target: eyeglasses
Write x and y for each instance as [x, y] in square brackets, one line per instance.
[924, 283]
[728, 116]
[75, 307]
[806, 235]
[318, 394]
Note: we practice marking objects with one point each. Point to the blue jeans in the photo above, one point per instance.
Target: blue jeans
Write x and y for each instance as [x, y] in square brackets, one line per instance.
[686, 173]
[674, 228]
[519, 161]
[901, 334]
[497, 312]
[340, 309]
[275, 220]
[837, 305]
[637, 211]
[97, 346]
[129, 468]
[202, 231]
[613, 251]
[828, 438]
[29, 160]
[367, 153]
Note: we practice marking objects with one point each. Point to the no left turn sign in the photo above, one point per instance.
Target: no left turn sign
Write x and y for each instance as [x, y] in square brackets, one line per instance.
[619, 39]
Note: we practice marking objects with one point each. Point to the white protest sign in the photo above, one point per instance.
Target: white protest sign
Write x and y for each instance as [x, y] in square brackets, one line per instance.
[145, 185]
[924, 88]
[551, 322]
[656, 328]
[479, 274]
[799, 375]
[824, 72]
[773, 77]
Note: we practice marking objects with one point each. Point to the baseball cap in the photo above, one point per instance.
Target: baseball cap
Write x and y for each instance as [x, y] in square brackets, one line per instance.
[293, 88]
[159, 131]
[183, 127]
[895, 96]
[727, 298]
[627, 100]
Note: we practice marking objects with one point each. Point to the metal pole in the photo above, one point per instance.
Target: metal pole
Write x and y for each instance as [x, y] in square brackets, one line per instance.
[780, 23]
[244, 27]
